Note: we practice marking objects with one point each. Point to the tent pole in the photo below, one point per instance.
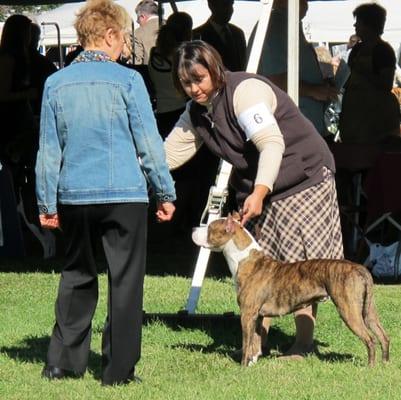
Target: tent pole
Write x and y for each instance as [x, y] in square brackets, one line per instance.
[218, 193]
[60, 50]
[293, 51]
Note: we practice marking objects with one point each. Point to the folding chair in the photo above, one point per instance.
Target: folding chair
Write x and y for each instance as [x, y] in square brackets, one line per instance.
[383, 192]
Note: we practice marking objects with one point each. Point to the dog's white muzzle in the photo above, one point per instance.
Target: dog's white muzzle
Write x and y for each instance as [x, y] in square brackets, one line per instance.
[199, 236]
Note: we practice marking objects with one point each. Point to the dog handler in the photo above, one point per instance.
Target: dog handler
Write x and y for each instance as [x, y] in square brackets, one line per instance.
[282, 168]
[96, 121]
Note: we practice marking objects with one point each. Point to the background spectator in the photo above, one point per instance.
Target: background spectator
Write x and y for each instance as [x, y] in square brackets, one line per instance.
[315, 93]
[169, 102]
[71, 55]
[370, 112]
[145, 36]
[40, 67]
[16, 93]
[226, 38]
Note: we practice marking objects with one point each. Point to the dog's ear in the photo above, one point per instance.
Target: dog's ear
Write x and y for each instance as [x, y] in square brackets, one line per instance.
[230, 224]
[236, 216]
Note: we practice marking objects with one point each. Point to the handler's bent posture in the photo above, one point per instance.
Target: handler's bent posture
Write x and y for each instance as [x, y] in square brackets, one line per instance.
[96, 122]
[282, 168]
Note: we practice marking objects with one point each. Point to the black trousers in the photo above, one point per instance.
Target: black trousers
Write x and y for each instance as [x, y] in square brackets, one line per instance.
[123, 231]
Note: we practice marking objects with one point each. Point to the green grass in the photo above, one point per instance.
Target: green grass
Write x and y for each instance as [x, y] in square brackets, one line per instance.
[193, 362]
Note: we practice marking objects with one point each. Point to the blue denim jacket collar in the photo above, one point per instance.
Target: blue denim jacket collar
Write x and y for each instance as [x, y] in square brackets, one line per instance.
[92, 55]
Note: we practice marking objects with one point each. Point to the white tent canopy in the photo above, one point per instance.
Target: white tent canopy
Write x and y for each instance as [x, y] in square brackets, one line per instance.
[325, 21]
[334, 22]
[245, 15]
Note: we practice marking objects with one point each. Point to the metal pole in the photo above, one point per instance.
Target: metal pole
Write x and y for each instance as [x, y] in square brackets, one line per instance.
[60, 50]
[263, 23]
[173, 6]
[293, 51]
[218, 193]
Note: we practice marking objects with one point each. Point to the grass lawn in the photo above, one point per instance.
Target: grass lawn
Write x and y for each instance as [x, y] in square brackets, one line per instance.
[191, 362]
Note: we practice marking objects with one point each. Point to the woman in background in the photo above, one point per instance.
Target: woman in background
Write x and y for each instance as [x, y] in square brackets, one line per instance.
[370, 112]
[169, 102]
[19, 134]
[18, 127]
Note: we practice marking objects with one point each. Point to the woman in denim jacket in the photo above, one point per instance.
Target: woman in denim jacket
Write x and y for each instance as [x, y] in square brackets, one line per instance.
[98, 147]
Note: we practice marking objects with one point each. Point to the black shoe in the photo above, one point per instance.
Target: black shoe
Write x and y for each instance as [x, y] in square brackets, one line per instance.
[51, 372]
[133, 379]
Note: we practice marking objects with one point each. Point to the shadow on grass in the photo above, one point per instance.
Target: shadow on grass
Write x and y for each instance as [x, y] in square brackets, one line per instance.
[34, 349]
[225, 330]
[226, 339]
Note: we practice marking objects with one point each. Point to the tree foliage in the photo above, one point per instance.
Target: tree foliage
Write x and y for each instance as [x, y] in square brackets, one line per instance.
[6, 11]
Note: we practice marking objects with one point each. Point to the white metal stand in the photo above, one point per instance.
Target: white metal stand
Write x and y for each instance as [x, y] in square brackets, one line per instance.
[217, 198]
[218, 193]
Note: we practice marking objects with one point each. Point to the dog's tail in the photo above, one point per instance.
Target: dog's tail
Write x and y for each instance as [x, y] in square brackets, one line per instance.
[371, 318]
[368, 296]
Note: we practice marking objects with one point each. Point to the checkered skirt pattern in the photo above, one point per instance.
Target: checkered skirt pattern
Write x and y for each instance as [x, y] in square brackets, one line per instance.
[302, 226]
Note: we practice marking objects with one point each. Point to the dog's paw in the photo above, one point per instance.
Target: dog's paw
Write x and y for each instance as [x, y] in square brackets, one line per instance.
[253, 360]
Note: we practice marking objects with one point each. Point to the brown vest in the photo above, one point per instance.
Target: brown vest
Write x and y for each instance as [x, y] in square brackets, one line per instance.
[305, 150]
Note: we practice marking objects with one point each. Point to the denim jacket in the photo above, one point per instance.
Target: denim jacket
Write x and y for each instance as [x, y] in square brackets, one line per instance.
[99, 141]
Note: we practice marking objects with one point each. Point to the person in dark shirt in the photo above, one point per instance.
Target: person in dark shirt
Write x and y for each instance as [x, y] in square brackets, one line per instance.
[370, 112]
[70, 57]
[40, 67]
[226, 38]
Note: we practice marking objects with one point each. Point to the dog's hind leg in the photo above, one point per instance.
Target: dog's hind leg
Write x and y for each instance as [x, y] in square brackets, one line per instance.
[373, 323]
[351, 313]
[248, 324]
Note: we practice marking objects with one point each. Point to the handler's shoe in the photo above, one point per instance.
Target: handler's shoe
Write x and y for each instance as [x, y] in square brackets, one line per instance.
[51, 373]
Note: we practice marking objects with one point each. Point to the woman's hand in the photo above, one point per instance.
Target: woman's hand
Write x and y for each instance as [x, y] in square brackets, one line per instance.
[49, 221]
[165, 211]
[253, 204]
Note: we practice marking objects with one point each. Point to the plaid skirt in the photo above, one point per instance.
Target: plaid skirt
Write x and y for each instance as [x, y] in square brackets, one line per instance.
[303, 226]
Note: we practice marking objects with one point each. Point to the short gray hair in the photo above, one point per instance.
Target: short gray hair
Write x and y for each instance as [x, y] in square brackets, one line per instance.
[147, 7]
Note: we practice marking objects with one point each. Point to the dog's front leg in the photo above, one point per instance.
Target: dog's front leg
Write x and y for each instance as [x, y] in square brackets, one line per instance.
[260, 336]
[264, 330]
[248, 324]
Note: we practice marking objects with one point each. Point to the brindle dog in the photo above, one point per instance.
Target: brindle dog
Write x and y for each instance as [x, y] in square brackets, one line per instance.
[268, 288]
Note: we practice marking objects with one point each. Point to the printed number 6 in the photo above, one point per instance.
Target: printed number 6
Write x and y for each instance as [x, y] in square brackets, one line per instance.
[258, 119]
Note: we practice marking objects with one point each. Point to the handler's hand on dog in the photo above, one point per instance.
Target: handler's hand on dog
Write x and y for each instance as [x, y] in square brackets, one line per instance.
[165, 211]
[253, 204]
[49, 221]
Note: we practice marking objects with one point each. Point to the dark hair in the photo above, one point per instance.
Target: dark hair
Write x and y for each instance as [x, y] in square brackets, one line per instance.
[372, 15]
[177, 29]
[16, 34]
[189, 54]
[213, 3]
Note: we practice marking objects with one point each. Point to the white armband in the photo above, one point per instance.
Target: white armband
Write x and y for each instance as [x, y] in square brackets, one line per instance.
[255, 118]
